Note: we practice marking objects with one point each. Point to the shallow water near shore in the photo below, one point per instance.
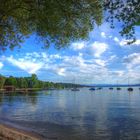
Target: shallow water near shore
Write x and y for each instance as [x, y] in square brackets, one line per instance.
[75, 115]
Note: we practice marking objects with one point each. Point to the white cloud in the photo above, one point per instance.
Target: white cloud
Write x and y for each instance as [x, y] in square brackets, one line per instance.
[26, 65]
[120, 73]
[55, 56]
[137, 42]
[98, 48]
[110, 36]
[61, 71]
[1, 65]
[132, 60]
[117, 73]
[35, 54]
[112, 58]
[78, 45]
[44, 55]
[124, 42]
[116, 39]
[85, 68]
[103, 34]
[100, 62]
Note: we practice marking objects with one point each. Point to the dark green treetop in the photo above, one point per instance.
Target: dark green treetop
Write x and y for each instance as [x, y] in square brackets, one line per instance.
[63, 21]
[57, 21]
[11, 81]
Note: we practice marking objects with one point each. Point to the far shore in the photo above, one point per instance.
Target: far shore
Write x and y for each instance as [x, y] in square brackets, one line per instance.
[8, 132]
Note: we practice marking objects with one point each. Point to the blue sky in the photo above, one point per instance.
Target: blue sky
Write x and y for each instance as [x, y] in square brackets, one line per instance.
[104, 58]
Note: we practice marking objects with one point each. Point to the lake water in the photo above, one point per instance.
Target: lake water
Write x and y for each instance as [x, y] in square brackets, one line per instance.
[82, 115]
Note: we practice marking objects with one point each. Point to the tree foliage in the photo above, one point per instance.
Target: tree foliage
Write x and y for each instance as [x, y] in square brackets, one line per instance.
[27, 82]
[51, 20]
[63, 21]
[21, 82]
[11, 81]
[2, 81]
[125, 11]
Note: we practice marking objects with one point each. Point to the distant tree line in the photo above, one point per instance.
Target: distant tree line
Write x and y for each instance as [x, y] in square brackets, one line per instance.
[27, 82]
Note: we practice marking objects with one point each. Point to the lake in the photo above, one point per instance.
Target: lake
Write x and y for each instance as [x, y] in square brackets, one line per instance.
[75, 115]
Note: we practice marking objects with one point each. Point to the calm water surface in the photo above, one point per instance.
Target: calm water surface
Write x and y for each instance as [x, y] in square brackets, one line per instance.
[81, 115]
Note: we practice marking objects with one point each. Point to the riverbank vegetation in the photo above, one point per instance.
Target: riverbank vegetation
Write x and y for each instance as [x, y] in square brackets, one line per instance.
[31, 82]
[27, 82]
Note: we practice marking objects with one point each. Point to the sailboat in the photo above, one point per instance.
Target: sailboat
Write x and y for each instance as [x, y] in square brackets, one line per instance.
[99, 88]
[130, 88]
[111, 88]
[92, 88]
[118, 88]
[75, 88]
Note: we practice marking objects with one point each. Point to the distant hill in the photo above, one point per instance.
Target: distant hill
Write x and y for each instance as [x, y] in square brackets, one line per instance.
[111, 85]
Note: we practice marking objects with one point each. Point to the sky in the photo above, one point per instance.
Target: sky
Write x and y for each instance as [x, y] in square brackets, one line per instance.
[105, 58]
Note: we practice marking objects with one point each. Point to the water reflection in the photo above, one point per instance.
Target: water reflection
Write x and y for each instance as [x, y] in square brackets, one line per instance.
[101, 114]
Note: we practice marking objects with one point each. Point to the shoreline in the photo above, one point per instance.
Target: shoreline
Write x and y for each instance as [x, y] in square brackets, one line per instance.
[24, 90]
[8, 132]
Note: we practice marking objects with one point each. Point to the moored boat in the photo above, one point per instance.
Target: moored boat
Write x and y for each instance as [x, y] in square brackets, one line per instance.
[75, 89]
[130, 89]
[92, 88]
[118, 88]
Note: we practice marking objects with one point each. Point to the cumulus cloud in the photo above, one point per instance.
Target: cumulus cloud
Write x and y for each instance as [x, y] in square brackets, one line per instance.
[93, 48]
[1, 65]
[79, 66]
[116, 39]
[55, 56]
[125, 42]
[110, 36]
[100, 62]
[29, 66]
[86, 69]
[61, 71]
[132, 60]
[33, 62]
[117, 73]
[98, 48]
[137, 42]
[103, 34]
[78, 45]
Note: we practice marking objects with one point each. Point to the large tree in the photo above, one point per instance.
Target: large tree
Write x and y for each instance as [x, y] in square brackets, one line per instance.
[11, 81]
[22, 83]
[57, 21]
[63, 21]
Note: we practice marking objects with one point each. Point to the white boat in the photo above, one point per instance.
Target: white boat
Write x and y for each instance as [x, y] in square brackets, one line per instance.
[75, 89]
